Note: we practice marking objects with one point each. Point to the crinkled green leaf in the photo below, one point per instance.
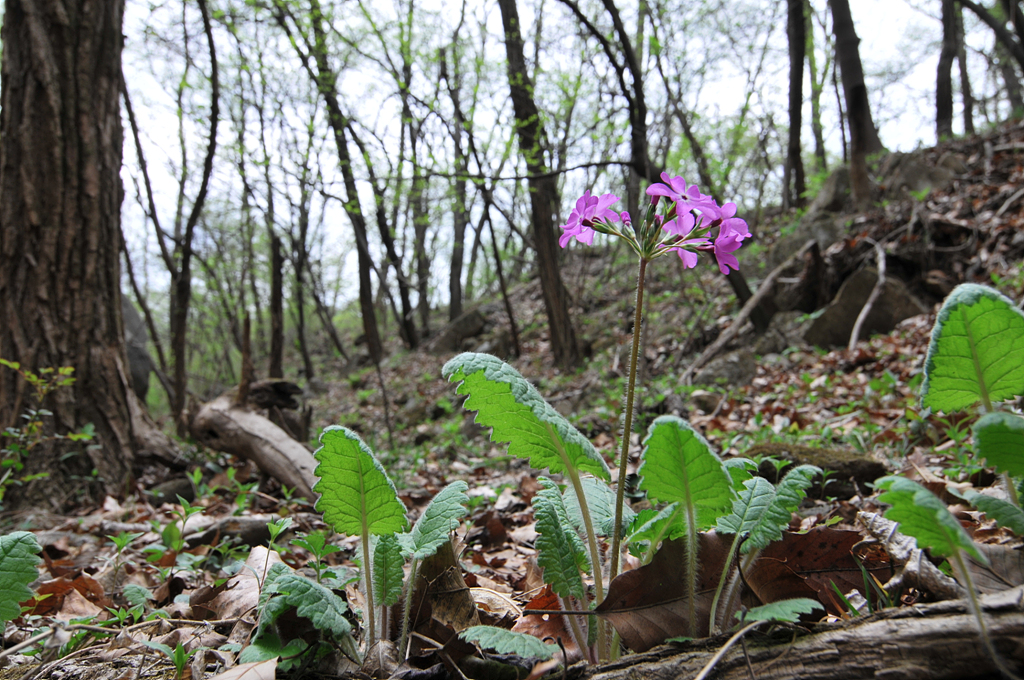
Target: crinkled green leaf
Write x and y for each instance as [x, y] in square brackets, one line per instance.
[600, 501]
[441, 517]
[136, 594]
[18, 562]
[354, 489]
[1004, 513]
[650, 524]
[1000, 441]
[268, 647]
[740, 470]
[312, 601]
[764, 511]
[783, 610]
[506, 402]
[388, 572]
[922, 515]
[977, 348]
[560, 550]
[679, 466]
[506, 642]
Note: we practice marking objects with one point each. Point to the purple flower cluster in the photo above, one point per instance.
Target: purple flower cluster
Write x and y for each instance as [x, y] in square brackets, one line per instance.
[690, 211]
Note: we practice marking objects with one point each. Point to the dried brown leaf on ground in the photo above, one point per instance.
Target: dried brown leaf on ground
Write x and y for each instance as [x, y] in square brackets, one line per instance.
[650, 604]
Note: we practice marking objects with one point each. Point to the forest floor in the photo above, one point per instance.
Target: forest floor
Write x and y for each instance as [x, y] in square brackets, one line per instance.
[799, 400]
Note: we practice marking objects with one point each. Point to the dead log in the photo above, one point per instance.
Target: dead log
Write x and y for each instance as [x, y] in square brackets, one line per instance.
[225, 426]
[934, 641]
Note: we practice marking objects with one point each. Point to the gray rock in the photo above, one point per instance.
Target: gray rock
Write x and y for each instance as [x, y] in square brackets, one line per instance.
[834, 192]
[833, 327]
[912, 172]
[824, 227]
[705, 401]
[735, 368]
[414, 412]
[469, 325]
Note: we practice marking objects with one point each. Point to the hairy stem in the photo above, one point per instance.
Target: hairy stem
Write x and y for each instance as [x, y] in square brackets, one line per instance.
[403, 640]
[627, 429]
[368, 580]
[975, 607]
[712, 627]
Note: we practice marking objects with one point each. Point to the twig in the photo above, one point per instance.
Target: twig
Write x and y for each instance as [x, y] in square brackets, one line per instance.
[875, 292]
[710, 666]
[732, 331]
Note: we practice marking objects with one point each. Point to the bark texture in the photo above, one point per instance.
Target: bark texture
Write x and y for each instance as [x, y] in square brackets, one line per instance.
[60, 202]
[937, 641]
[796, 32]
[863, 135]
[944, 81]
[543, 192]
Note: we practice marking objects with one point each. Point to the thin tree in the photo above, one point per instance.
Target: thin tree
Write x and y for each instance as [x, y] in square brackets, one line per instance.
[543, 191]
[944, 80]
[863, 135]
[793, 177]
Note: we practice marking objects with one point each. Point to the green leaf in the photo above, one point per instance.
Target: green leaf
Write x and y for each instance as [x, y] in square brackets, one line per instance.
[740, 470]
[437, 521]
[505, 401]
[388, 572]
[764, 511]
[1000, 438]
[17, 569]
[506, 642]
[268, 647]
[312, 601]
[1004, 513]
[600, 501]
[136, 594]
[649, 525]
[560, 550]
[679, 466]
[976, 351]
[355, 492]
[783, 610]
[922, 515]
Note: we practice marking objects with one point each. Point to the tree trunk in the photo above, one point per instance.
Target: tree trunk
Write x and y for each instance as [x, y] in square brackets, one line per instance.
[944, 82]
[965, 78]
[863, 135]
[60, 203]
[543, 192]
[276, 308]
[460, 216]
[796, 32]
[816, 87]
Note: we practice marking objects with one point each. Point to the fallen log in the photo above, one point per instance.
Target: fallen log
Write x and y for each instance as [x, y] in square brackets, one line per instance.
[237, 429]
[935, 641]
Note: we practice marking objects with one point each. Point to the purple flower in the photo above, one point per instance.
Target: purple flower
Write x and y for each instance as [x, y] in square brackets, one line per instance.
[727, 214]
[728, 241]
[588, 210]
[675, 189]
[681, 226]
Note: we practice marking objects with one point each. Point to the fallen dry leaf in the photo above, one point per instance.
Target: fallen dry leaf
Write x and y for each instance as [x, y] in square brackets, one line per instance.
[257, 670]
[650, 604]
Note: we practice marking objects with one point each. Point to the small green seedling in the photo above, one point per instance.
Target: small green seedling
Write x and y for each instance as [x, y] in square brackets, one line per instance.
[178, 656]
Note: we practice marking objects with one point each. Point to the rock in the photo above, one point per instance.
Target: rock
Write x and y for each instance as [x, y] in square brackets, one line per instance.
[135, 338]
[733, 369]
[824, 227]
[834, 192]
[469, 325]
[833, 327]
[674, 404]
[413, 413]
[850, 469]
[954, 162]
[901, 171]
[704, 400]
[168, 492]
[499, 344]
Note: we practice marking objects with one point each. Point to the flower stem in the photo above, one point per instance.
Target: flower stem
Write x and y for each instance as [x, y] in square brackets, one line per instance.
[627, 429]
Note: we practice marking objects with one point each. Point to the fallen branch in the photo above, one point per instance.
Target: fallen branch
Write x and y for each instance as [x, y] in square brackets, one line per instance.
[732, 331]
[875, 292]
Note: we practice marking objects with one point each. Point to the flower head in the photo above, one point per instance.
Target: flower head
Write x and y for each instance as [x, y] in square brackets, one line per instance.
[729, 240]
[581, 221]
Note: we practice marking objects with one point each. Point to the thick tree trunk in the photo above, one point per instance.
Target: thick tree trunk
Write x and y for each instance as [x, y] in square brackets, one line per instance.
[796, 32]
[863, 135]
[60, 203]
[944, 81]
[543, 192]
